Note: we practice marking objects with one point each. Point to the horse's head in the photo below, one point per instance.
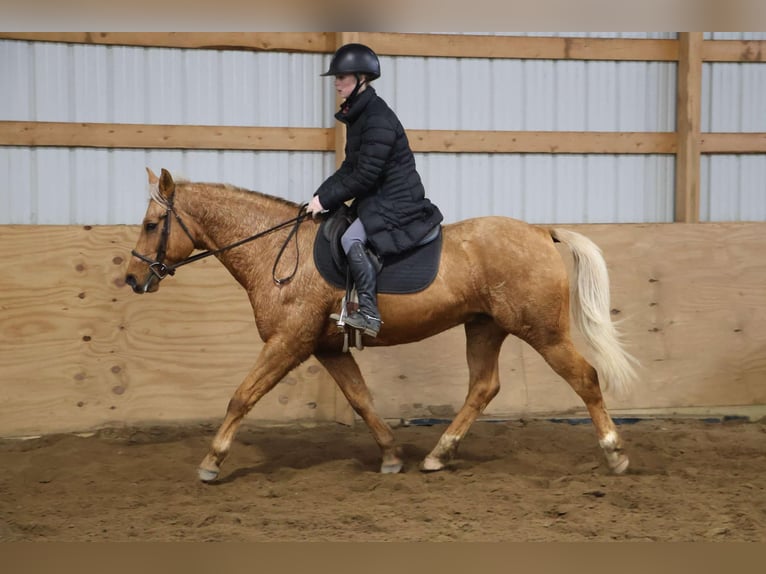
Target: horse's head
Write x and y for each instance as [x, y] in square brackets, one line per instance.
[164, 241]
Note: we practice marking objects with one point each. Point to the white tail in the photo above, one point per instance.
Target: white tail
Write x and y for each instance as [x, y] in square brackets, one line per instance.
[589, 300]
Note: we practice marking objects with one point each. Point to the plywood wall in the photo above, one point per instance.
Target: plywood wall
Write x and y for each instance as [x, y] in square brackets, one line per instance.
[79, 350]
[691, 299]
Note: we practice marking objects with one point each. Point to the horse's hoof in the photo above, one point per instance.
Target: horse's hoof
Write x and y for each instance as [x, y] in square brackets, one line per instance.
[391, 468]
[621, 465]
[206, 475]
[431, 464]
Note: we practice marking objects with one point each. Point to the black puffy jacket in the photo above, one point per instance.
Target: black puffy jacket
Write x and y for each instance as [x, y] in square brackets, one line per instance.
[379, 172]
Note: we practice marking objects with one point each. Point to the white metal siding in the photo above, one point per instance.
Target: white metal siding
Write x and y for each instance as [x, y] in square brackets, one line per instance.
[733, 187]
[471, 94]
[75, 83]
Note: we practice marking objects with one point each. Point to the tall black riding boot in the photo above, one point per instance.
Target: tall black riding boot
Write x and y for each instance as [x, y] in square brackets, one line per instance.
[366, 280]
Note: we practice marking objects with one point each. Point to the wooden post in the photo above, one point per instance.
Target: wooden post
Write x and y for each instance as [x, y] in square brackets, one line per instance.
[341, 38]
[344, 414]
[688, 112]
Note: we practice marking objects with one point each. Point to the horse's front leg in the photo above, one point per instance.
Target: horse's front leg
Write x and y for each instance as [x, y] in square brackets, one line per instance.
[277, 358]
[345, 371]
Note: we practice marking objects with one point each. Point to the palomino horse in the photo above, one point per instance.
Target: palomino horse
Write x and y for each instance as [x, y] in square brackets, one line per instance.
[497, 276]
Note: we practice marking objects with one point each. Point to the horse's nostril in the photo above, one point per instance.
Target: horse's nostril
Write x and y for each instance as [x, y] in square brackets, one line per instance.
[132, 282]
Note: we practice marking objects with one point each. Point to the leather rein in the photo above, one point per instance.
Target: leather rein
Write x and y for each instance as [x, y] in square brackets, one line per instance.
[159, 269]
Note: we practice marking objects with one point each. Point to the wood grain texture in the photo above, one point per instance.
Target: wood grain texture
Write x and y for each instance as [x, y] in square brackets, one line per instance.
[734, 51]
[526, 47]
[256, 41]
[733, 143]
[477, 141]
[147, 136]
[691, 299]
[79, 350]
[398, 44]
[688, 126]
[144, 136]
[385, 43]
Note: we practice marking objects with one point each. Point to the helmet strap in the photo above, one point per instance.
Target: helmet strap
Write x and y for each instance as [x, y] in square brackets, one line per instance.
[353, 94]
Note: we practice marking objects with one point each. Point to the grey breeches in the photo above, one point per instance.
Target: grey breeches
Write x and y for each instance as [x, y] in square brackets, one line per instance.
[355, 232]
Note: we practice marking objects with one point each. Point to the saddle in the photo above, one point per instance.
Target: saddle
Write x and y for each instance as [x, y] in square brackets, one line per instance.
[401, 273]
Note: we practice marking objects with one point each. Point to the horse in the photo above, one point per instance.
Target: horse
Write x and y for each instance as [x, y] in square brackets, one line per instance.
[497, 276]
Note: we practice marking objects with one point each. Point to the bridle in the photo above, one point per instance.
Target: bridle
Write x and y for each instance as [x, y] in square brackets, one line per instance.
[159, 269]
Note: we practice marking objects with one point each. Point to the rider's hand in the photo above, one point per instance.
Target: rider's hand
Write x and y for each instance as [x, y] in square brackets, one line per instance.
[315, 206]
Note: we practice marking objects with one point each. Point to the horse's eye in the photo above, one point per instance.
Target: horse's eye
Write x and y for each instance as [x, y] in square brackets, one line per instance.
[150, 226]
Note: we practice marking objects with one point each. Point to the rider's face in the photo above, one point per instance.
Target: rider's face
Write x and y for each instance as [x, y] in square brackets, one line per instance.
[345, 84]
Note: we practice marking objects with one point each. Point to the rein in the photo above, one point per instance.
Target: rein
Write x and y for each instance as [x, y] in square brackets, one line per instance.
[160, 270]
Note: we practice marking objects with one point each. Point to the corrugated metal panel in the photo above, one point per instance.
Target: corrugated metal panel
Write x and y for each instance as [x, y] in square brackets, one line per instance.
[57, 82]
[734, 35]
[448, 94]
[732, 186]
[548, 189]
[95, 186]
[75, 83]
[61, 82]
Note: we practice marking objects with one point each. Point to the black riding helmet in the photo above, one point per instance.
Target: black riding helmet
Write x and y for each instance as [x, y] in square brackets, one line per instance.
[354, 59]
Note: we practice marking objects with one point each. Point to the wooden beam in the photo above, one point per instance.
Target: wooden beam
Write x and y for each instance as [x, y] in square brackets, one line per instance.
[733, 143]
[520, 47]
[467, 141]
[142, 136]
[55, 134]
[434, 45]
[165, 136]
[687, 191]
[389, 44]
[734, 50]
[344, 414]
[256, 41]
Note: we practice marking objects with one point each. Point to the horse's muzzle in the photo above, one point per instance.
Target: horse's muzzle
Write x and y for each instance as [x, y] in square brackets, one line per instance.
[131, 281]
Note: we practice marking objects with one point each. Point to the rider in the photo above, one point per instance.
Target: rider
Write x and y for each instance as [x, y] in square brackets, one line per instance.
[379, 173]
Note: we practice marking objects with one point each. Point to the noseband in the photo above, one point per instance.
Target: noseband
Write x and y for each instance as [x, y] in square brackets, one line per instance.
[160, 270]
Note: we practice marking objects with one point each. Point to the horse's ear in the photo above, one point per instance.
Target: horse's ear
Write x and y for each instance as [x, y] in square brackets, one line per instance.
[167, 185]
[153, 179]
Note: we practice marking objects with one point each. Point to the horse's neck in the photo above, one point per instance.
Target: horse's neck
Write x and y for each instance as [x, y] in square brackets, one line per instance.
[225, 215]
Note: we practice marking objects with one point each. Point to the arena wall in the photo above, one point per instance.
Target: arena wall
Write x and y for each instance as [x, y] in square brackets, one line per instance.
[81, 351]
[628, 131]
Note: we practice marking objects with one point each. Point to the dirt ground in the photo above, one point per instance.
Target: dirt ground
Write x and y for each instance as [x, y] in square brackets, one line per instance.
[689, 480]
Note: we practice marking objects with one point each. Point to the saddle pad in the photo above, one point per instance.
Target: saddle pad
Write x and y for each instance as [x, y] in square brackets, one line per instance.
[407, 272]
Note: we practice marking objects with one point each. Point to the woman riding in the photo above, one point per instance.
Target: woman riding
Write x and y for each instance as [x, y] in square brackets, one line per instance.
[379, 173]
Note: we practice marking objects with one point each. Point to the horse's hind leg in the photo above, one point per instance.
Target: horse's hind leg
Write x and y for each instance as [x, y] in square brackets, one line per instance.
[344, 369]
[484, 340]
[582, 377]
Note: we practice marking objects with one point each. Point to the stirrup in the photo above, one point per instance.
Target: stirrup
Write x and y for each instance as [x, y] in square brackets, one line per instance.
[360, 323]
[368, 324]
[349, 300]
